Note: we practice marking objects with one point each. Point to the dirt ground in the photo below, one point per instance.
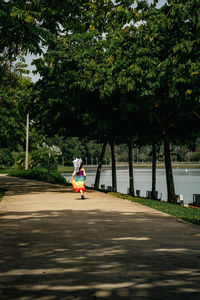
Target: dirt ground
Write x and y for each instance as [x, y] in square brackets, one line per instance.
[53, 245]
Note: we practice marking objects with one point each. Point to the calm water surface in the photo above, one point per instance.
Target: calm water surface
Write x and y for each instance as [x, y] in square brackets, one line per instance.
[187, 181]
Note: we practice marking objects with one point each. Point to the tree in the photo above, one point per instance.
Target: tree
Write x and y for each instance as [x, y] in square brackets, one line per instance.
[170, 33]
[13, 95]
[30, 25]
[100, 162]
[148, 68]
[147, 65]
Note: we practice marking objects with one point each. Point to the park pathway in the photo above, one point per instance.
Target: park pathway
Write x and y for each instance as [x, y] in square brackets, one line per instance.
[55, 246]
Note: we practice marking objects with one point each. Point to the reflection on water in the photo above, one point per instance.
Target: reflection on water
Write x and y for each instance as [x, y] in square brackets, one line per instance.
[187, 181]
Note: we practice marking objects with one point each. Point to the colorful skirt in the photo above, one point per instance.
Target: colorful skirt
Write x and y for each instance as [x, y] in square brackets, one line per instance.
[78, 184]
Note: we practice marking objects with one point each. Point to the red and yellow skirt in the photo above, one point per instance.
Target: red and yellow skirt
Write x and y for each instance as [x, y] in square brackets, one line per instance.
[78, 185]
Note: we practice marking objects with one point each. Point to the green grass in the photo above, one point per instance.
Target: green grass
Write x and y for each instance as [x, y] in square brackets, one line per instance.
[61, 169]
[2, 192]
[41, 175]
[65, 169]
[188, 214]
[5, 171]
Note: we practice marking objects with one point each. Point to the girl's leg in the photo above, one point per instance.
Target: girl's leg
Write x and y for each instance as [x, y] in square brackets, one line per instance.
[82, 194]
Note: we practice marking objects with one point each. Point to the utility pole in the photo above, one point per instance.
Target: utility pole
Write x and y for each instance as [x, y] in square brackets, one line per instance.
[27, 137]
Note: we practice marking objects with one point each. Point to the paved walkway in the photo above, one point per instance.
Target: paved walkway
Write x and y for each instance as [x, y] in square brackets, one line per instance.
[55, 246]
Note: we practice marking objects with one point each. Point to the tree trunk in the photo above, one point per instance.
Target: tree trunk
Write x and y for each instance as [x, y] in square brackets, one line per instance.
[171, 197]
[153, 189]
[100, 162]
[130, 163]
[114, 176]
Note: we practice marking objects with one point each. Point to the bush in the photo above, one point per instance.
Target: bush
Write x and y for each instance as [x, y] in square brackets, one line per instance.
[6, 159]
[40, 174]
[195, 156]
[38, 158]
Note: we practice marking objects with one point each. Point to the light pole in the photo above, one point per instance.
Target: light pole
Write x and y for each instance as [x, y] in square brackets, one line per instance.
[27, 137]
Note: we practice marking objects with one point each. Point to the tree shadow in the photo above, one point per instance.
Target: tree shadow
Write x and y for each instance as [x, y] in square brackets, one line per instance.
[21, 186]
[96, 254]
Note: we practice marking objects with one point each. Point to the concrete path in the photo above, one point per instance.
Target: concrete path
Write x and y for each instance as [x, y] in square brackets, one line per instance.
[55, 246]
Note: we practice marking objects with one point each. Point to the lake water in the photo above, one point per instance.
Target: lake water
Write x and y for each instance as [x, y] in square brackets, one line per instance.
[187, 181]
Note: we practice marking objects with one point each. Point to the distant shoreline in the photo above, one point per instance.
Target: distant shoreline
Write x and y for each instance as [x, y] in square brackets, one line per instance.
[149, 165]
[187, 165]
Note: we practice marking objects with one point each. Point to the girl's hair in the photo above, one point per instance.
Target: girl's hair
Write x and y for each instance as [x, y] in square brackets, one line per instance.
[80, 166]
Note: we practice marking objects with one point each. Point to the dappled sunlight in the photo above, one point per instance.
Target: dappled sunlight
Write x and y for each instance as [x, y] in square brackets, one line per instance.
[188, 272]
[189, 290]
[42, 271]
[117, 258]
[108, 251]
[94, 250]
[171, 250]
[131, 239]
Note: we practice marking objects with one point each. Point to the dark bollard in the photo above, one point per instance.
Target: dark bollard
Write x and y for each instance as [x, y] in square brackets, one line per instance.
[148, 194]
[138, 193]
[154, 195]
[109, 188]
[196, 199]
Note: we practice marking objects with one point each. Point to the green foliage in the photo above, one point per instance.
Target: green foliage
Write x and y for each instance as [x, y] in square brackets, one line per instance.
[6, 170]
[6, 158]
[195, 156]
[65, 169]
[71, 149]
[2, 192]
[39, 174]
[14, 94]
[37, 158]
[188, 214]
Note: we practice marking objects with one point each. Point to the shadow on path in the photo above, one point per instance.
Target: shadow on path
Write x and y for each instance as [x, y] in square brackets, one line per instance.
[94, 254]
[20, 186]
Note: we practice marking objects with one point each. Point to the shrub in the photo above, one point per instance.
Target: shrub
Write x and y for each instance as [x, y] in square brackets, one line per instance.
[40, 174]
[195, 156]
[6, 159]
[40, 158]
[37, 158]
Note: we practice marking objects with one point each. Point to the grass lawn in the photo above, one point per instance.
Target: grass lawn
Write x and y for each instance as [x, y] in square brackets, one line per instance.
[67, 169]
[6, 171]
[188, 214]
[2, 191]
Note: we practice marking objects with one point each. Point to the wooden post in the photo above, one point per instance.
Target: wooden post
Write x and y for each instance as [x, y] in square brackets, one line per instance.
[27, 138]
[100, 162]
[130, 160]
[114, 175]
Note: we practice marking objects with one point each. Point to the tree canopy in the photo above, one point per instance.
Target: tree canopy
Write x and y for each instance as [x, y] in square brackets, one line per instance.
[114, 70]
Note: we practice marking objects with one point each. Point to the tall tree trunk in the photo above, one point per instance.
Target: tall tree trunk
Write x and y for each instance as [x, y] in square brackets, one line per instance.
[100, 162]
[114, 176]
[171, 197]
[130, 163]
[153, 189]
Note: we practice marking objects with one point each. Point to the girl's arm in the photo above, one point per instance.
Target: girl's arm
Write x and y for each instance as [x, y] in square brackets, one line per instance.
[84, 173]
[73, 175]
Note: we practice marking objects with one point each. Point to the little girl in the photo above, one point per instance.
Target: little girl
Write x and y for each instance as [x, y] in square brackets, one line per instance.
[78, 177]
